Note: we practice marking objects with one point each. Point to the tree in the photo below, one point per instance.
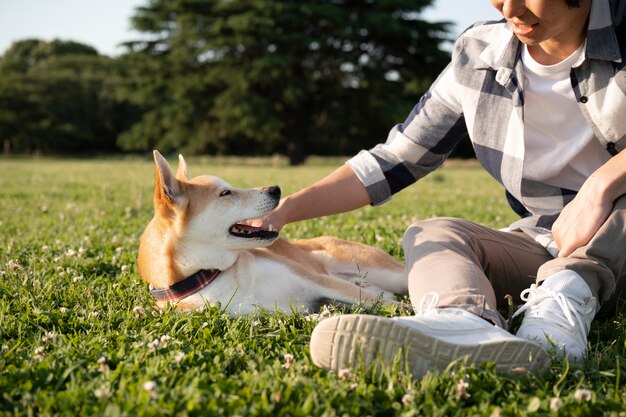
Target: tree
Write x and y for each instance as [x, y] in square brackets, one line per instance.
[25, 54]
[280, 76]
[62, 97]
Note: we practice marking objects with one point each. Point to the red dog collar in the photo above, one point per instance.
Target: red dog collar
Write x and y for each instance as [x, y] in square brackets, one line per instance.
[186, 287]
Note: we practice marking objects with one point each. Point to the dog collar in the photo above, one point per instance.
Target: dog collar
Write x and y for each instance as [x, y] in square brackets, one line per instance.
[186, 287]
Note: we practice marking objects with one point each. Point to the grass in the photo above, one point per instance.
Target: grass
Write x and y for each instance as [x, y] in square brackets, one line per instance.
[79, 333]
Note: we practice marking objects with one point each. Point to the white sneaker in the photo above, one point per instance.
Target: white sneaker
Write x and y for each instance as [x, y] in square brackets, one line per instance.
[421, 343]
[559, 314]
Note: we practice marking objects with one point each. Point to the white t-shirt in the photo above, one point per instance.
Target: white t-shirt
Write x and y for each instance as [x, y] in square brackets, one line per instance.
[560, 148]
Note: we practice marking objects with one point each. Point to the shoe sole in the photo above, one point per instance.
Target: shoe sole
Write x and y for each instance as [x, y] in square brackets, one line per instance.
[354, 341]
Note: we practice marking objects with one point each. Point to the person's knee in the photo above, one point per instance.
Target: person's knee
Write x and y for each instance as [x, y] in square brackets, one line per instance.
[435, 229]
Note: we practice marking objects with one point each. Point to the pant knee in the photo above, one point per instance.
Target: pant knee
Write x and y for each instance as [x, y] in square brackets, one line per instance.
[435, 230]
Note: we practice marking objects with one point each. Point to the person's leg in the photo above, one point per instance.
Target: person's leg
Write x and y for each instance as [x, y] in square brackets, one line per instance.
[570, 290]
[468, 267]
[602, 262]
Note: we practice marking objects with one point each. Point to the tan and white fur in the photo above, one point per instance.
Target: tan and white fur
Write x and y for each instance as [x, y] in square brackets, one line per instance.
[197, 225]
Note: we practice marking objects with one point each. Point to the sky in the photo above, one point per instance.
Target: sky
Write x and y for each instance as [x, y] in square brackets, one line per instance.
[104, 24]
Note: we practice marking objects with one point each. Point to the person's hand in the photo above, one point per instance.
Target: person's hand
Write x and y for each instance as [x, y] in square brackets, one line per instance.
[272, 221]
[581, 219]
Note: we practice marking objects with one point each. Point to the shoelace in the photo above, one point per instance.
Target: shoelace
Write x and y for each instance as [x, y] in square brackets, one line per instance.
[571, 311]
[428, 303]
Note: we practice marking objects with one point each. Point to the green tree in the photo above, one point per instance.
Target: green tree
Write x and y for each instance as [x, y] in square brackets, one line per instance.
[280, 76]
[62, 97]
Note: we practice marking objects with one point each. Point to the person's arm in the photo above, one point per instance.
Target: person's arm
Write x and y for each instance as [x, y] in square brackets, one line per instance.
[404, 158]
[339, 192]
[584, 215]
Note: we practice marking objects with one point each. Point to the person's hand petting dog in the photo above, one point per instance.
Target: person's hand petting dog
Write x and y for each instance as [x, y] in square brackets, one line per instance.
[272, 221]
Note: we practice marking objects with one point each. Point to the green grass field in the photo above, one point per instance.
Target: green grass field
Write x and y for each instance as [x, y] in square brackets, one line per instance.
[79, 333]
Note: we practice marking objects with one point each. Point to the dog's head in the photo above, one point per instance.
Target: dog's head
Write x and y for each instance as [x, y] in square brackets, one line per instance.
[206, 212]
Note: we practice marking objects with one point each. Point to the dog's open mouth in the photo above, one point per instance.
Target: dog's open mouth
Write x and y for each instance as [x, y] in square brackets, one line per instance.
[247, 231]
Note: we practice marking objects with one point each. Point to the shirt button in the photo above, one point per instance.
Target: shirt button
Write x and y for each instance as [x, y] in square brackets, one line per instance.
[584, 99]
[611, 148]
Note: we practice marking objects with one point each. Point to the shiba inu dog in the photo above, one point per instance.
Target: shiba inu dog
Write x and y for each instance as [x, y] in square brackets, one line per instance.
[196, 251]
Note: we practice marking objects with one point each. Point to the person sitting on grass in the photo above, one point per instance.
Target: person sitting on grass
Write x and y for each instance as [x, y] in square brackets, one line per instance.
[542, 95]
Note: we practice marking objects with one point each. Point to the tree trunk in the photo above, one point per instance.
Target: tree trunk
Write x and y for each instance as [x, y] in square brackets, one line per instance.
[295, 152]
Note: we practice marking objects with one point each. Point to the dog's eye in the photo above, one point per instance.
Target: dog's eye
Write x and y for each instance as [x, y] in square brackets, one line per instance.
[225, 192]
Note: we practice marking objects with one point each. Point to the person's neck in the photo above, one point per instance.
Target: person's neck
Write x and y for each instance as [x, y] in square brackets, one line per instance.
[547, 53]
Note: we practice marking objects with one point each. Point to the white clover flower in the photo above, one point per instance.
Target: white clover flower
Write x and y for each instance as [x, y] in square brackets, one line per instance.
[179, 357]
[407, 399]
[346, 374]
[63, 310]
[124, 268]
[70, 252]
[102, 392]
[39, 354]
[45, 248]
[326, 311]
[583, 395]
[312, 317]
[154, 345]
[102, 364]
[288, 360]
[461, 390]
[139, 312]
[555, 404]
[151, 387]
[77, 279]
[119, 249]
[13, 265]
[48, 337]
[165, 339]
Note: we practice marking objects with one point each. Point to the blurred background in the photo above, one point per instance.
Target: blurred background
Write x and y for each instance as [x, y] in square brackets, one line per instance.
[219, 77]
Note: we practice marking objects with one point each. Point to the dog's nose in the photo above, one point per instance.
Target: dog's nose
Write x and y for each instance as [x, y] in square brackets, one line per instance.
[273, 190]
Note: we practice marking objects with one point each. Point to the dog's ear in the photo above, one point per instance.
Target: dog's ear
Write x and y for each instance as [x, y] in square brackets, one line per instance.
[182, 173]
[167, 189]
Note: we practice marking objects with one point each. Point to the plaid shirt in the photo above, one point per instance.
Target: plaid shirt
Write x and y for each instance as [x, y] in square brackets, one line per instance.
[481, 93]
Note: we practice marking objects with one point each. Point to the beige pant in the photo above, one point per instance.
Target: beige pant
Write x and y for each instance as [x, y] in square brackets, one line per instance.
[474, 267]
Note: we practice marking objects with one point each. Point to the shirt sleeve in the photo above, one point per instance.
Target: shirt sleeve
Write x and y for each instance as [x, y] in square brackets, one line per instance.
[416, 147]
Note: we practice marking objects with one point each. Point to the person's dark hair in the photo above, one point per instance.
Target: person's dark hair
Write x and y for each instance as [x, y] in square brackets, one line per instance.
[573, 3]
